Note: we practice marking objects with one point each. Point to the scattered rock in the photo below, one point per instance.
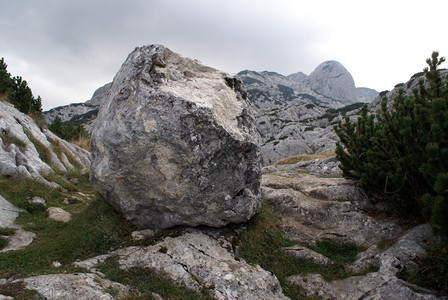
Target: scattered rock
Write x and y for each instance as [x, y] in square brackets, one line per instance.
[198, 261]
[175, 143]
[56, 264]
[58, 214]
[38, 200]
[141, 234]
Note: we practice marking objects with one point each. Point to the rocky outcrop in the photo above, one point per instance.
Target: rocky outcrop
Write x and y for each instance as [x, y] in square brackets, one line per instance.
[295, 114]
[331, 79]
[21, 138]
[175, 144]
[312, 208]
[199, 261]
[382, 284]
[79, 113]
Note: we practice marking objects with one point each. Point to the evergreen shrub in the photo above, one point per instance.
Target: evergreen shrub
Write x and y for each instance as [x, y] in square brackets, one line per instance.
[401, 153]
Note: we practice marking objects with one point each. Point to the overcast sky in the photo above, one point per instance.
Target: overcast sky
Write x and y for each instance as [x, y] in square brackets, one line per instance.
[66, 49]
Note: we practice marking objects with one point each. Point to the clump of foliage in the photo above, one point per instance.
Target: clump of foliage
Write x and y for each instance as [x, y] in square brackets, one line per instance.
[401, 154]
[18, 92]
[68, 131]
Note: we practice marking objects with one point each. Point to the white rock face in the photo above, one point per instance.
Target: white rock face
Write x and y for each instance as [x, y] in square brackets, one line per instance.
[175, 144]
[24, 162]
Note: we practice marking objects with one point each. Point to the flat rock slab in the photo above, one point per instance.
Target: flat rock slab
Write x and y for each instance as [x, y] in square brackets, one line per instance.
[21, 238]
[73, 286]
[198, 261]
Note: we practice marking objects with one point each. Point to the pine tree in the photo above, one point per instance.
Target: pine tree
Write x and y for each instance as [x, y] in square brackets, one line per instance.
[5, 78]
[18, 92]
[401, 154]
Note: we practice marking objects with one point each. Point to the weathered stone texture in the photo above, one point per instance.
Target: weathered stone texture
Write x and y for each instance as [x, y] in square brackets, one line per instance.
[175, 144]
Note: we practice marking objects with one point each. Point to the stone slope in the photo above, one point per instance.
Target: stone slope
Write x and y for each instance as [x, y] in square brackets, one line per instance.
[19, 156]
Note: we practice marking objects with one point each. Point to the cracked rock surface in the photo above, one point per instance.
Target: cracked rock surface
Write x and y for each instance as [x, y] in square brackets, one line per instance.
[197, 261]
[175, 143]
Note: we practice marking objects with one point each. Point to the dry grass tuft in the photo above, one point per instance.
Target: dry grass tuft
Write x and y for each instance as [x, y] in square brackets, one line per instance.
[302, 157]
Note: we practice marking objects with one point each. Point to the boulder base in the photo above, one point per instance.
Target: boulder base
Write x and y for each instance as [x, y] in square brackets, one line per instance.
[174, 143]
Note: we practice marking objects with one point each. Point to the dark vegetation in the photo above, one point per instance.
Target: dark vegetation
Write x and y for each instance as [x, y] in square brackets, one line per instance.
[68, 130]
[400, 155]
[17, 91]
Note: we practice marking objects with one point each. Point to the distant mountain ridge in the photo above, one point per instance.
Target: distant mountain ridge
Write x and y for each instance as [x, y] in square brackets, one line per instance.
[294, 113]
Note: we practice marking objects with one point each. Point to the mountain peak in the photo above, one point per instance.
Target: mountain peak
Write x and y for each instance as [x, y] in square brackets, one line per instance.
[332, 78]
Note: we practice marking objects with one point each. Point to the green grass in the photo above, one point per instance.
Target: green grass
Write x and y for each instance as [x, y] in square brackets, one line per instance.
[7, 231]
[94, 229]
[8, 140]
[337, 251]
[143, 282]
[3, 242]
[261, 242]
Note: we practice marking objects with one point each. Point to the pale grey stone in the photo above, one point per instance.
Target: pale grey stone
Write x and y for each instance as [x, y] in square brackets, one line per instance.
[141, 234]
[198, 261]
[58, 214]
[175, 143]
[22, 163]
[73, 286]
[38, 200]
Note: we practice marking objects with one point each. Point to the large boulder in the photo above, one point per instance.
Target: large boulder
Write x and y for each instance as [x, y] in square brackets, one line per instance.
[174, 143]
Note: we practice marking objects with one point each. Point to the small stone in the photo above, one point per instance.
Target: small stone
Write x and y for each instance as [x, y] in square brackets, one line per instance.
[58, 214]
[56, 264]
[141, 234]
[38, 200]
[66, 201]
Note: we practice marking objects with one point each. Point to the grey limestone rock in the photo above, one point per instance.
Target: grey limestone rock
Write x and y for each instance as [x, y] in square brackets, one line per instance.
[73, 286]
[19, 157]
[199, 261]
[175, 143]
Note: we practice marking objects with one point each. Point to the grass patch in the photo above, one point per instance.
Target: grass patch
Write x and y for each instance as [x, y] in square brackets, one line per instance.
[261, 242]
[143, 282]
[82, 141]
[96, 229]
[338, 251]
[432, 271]
[7, 231]
[9, 139]
[302, 157]
[3, 242]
